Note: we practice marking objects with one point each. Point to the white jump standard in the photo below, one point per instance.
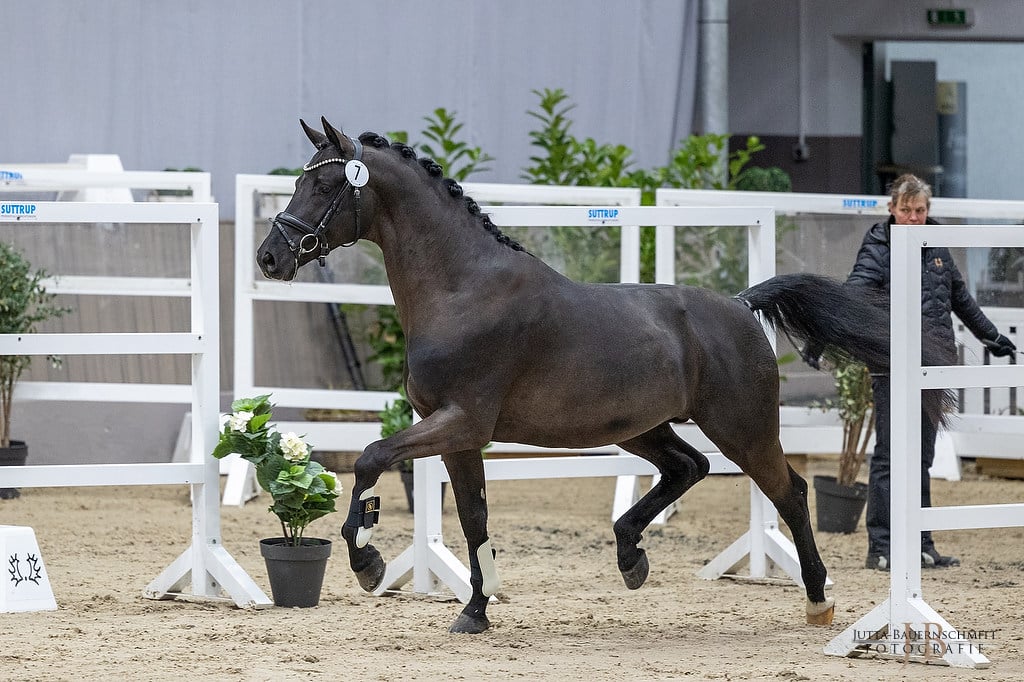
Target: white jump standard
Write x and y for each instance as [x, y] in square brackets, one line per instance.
[205, 564]
[905, 612]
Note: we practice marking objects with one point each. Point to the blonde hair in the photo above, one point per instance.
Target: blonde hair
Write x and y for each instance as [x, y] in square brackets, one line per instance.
[909, 185]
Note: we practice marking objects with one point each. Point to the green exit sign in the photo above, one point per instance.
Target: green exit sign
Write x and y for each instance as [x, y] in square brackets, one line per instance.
[951, 17]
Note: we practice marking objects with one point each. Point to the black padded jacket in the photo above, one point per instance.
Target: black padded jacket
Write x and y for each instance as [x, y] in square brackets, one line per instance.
[943, 289]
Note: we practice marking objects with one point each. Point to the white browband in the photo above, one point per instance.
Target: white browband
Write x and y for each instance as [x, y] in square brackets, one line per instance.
[309, 167]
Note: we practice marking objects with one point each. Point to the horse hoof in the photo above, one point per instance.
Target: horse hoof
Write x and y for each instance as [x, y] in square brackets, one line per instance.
[635, 577]
[371, 577]
[821, 613]
[468, 625]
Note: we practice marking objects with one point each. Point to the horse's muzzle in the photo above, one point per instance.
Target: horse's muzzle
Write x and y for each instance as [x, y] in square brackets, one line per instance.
[275, 266]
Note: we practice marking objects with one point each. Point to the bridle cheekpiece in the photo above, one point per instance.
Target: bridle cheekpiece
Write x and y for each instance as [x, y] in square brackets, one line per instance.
[356, 176]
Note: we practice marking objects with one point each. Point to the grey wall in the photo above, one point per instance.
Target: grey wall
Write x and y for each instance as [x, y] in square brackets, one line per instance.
[765, 88]
[764, 40]
[222, 85]
[994, 74]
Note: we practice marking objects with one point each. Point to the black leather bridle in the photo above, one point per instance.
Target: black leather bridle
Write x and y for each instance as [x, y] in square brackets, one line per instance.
[313, 236]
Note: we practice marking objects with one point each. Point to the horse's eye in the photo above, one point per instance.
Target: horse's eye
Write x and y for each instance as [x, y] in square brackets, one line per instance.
[322, 188]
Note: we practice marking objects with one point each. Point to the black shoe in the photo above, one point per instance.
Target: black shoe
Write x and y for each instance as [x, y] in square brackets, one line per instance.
[877, 562]
[932, 559]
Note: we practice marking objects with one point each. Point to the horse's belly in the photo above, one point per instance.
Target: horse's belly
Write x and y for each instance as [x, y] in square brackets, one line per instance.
[581, 419]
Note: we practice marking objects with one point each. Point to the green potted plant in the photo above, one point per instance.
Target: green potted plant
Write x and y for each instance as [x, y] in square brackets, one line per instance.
[301, 490]
[840, 499]
[24, 302]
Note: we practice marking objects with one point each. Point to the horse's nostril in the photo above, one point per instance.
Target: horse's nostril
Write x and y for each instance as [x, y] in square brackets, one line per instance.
[267, 259]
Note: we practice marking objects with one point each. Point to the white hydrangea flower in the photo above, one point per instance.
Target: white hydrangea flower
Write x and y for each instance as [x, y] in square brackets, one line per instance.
[292, 447]
[239, 421]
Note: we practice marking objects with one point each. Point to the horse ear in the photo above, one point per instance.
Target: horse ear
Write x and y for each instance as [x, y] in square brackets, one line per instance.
[338, 138]
[318, 139]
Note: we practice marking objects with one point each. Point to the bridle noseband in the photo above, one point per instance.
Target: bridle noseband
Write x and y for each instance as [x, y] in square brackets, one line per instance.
[355, 177]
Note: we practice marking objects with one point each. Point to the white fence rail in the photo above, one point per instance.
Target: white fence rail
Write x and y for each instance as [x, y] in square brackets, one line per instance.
[790, 203]
[209, 567]
[100, 177]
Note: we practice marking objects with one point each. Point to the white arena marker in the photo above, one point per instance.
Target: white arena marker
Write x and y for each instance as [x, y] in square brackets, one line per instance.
[26, 585]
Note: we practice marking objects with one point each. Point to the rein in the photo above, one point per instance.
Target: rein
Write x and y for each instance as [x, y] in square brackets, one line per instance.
[355, 177]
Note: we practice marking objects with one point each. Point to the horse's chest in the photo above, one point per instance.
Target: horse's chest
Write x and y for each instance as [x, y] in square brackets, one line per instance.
[438, 371]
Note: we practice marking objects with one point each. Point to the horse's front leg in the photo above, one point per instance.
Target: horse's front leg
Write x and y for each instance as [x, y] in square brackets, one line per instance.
[444, 431]
[466, 471]
[681, 466]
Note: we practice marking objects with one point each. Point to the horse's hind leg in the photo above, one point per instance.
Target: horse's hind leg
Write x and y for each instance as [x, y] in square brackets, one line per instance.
[681, 465]
[466, 471]
[737, 407]
[768, 467]
[788, 493]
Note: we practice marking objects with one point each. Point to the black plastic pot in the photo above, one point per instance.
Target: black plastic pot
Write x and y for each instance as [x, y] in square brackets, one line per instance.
[838, 507]
[296, 573]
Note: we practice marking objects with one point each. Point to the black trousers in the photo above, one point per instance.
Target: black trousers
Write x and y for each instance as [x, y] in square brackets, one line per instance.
[877, 518]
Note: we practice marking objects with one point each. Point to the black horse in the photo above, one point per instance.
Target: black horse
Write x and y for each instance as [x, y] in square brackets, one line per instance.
[500, 347]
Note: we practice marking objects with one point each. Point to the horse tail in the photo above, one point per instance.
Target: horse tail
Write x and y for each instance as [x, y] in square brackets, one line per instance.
[823, 313]
[829, 316]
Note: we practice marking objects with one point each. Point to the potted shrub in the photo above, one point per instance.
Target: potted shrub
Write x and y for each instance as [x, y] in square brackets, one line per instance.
[302, 491]
[24, 302]
[841, 498]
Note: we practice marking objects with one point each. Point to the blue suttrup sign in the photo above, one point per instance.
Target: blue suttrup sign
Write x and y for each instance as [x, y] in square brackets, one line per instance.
[17, 210]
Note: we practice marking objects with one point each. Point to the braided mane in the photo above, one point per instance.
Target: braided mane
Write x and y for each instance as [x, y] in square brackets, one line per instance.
[434, 170]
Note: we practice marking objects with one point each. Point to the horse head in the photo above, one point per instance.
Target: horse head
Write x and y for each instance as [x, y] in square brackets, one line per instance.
[325, 210]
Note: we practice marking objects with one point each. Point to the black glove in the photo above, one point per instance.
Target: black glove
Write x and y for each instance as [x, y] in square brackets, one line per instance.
[1000, 346]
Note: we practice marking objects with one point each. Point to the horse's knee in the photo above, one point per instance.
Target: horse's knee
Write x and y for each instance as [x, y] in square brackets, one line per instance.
[371, 463]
